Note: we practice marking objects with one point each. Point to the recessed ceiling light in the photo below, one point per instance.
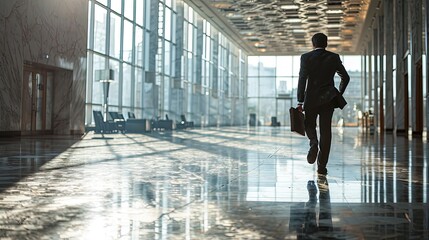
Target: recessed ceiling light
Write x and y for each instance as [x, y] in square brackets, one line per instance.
[298, 30]
[334, 11]
[293, 20]
[289, 7]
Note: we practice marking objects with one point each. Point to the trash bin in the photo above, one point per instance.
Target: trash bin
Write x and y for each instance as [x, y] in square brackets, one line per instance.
[252, 119]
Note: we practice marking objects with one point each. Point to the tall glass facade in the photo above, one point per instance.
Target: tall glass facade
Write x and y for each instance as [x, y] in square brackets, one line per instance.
[167, 60]
[273, 82]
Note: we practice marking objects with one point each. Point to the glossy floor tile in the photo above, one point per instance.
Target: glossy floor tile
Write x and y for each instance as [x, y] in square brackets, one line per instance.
[213, 183]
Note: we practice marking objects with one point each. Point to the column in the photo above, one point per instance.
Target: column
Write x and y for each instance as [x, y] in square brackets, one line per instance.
[401, 31]
[151, 97]
[376, 75]
[369, 85]
[427, 68]
[416, 67]
[197, 103]
[381, 72]
[179, 31]
[388, 17]
[364, 83]
[178, 102]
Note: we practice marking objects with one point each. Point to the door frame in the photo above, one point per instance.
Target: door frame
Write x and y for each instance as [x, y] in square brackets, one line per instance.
[43, 71]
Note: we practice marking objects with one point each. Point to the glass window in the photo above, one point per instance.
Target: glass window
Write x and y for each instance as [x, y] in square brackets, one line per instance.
[267, 87]
[173, 61]
[147, 15]
[267, 66]
[191, 15]
[126, 84]
[253, 83]
[284, 66]
[116, 5]
[190, 63]
[90, 29]
[115, 35]
[104, 2]
[139, 46]
[128, 41]
[146, 49]
[100, 29]
[252, 105]
[267, 109]
[167, 24]
[190, 37]
[99, 62]
[167, 58]
[285, 85]
[140, 12]
[114, 86]
[129, 9]
[296, 64]
[185, 36]
[352, 63]
[138, 89]
[173, 26]
[128, 51]
[253, 66]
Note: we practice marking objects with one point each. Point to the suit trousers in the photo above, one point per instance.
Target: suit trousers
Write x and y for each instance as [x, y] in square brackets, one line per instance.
[324, 112]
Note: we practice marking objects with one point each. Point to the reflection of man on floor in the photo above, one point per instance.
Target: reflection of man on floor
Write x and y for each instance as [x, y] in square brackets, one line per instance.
[304, 220]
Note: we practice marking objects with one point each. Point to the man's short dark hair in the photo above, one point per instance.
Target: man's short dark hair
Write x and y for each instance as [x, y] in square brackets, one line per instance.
[319, 40]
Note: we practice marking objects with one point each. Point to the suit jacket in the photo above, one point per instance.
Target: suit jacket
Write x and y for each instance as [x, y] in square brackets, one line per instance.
[316, 79]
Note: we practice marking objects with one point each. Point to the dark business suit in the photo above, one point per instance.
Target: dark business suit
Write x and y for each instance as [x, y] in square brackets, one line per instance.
[316, 89]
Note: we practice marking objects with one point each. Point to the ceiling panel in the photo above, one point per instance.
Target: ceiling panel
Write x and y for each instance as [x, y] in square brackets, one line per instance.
[286, 26]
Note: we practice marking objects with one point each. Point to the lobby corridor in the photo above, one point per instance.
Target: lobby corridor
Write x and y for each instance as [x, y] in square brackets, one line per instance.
[213, 183]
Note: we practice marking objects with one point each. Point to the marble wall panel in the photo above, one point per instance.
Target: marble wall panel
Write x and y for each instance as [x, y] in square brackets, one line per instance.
[77, 110]
[61, 103]
[11, 58]
[49, 33]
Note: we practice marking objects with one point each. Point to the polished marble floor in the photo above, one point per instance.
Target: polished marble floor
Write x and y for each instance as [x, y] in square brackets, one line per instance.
[213, 183]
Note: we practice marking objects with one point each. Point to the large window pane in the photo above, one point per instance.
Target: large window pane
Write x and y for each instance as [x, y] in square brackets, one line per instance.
[126, 84]
[167, 24]
[100, 29]
[167, 58]
[128, 41]
[115, 35]
[253, 66]
[296, 64]
[140, 12]
[104, 2]
[114, 86]
[352, 63]
[138, 89]
[267, 109]
[267, 66]
[116, 5]
[190, 37]
[285, 85]
[147, 15]
[146, 49]
[267, 87]
[129, 9]
[139, 46]
[253, 89]
[284, 66]
[99, 63]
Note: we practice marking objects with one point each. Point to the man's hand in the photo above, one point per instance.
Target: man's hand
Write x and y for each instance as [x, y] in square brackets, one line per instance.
[299, 107]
